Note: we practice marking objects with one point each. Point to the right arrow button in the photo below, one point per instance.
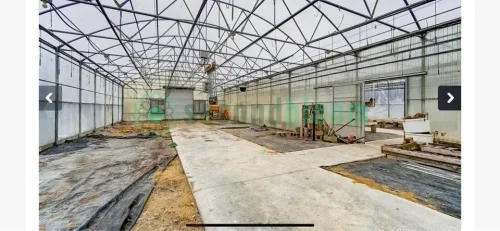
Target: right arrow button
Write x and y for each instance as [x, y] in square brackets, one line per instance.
[449, 98]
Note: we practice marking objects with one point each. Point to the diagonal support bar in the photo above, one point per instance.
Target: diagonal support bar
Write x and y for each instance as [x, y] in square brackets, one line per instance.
[187, 39]
[121, 42]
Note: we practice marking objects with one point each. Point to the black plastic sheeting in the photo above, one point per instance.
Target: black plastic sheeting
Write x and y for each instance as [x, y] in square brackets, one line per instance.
[99, 183]
[122, 212]
[436, 187]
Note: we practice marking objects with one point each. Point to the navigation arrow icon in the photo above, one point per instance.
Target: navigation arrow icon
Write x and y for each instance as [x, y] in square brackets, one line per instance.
[451, 97]
[50, 94]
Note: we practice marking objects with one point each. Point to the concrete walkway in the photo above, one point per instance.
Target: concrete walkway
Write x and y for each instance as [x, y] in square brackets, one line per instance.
[236, 181]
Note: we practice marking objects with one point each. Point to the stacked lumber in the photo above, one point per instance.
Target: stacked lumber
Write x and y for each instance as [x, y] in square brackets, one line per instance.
[440, 156]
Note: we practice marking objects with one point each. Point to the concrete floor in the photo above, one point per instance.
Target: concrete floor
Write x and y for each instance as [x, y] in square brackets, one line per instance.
[268, 139]
[237, 181]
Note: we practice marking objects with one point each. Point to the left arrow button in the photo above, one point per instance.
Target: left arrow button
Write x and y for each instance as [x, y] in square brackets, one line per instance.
[48, 97]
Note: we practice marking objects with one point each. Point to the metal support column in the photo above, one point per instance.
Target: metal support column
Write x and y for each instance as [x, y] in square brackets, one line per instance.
[316, 84]
[105, 102]
[95, 99]
[406, 94]
[57, 104]
[122, 104]
[79, 99]
[112, 103]
[356, 71]
[257, 102]
[333, 106]
[289, 111]
[362, 112]
[270, 90]
[361, 94]
[422, 79]
[388, 99]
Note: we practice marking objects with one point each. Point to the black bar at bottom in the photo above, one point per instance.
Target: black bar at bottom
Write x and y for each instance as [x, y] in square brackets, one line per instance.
[249, 225]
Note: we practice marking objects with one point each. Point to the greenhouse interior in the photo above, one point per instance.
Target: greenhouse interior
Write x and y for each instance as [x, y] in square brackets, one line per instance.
[259, 114]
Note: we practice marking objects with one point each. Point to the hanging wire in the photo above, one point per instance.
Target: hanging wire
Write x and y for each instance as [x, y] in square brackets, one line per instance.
[319, 9]
[71, 73]
[40, 55]
[342, 19]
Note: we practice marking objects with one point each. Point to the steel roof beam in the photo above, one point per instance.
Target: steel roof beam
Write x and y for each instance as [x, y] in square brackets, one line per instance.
[189, 22]
[376, 19]
[187, 39]
[118, 37]
[274, 28]
[413, 16]
[363, 15]
[85, 58]
[168, 46]
[333, 24]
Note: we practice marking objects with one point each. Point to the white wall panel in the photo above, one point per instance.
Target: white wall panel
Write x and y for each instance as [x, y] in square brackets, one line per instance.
[47, 66]
[87, 117]
[70, 122]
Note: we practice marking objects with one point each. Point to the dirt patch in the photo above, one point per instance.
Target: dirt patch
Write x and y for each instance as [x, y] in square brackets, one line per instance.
[171, 205]
[144, 128]
[372, 184]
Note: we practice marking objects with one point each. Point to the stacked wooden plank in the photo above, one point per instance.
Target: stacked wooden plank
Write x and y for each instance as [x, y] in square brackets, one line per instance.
[440, 156]
[383, 122]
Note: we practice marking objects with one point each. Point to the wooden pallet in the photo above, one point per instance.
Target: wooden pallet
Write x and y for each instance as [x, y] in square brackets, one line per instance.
[382, 123]
[448, 162]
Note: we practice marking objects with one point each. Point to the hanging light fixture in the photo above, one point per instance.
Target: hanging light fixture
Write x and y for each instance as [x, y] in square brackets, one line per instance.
[44, 4]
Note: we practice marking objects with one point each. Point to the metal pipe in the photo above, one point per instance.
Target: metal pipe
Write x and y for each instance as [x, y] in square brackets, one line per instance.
[314, 122]
[112, 103]
[56, 111]
[345, 125]
[95, 99]
[388, 100]
[105, 102]
[122, 105]
[81, 54]
[79, 100]
[413, 16]
[187, 39]
[119, 39]
[271, 30]
[383, 42]
[362, 110]
[377, 19]
[212, 26]
[378, 57]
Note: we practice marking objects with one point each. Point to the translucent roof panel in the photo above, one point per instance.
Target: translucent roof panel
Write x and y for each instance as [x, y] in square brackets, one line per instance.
[170, 41]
